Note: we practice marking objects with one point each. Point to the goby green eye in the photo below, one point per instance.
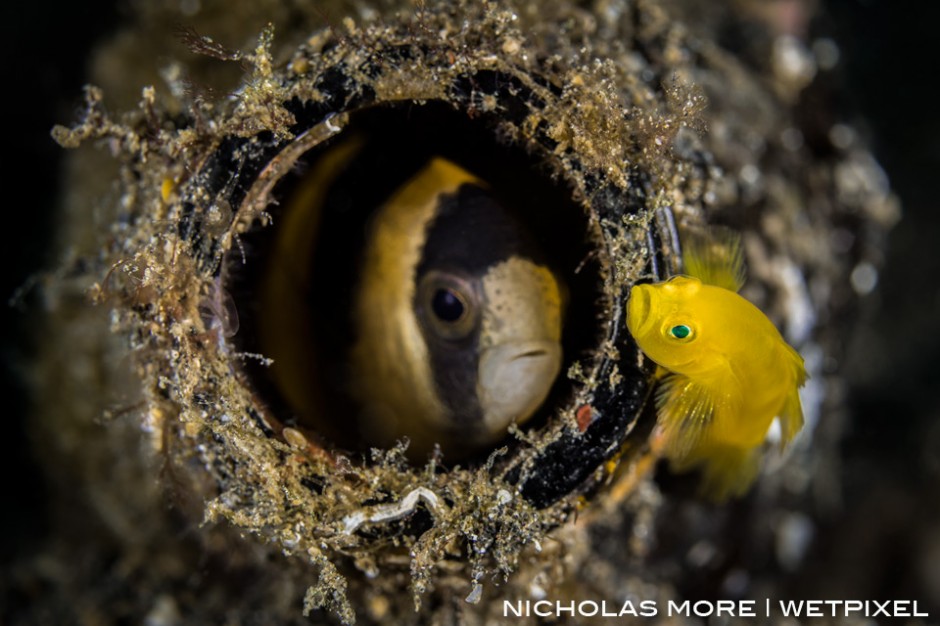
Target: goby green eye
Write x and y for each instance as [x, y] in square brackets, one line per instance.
[680, 331]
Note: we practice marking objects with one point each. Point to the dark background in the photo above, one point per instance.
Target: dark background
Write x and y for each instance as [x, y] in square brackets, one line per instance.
[45, 50]
[892, 450]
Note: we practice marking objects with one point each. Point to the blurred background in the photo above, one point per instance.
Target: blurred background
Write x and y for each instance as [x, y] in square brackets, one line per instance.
[47, 48]
[884, 540]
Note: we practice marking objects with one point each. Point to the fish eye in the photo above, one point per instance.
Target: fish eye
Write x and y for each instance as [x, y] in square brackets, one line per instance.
[680, 331]
[448, 304]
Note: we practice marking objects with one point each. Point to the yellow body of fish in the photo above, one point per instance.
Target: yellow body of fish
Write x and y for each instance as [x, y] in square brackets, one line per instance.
[729, 372]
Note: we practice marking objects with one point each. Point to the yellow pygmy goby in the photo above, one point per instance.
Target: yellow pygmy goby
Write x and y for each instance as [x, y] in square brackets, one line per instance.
[457, 320]
[729, 371]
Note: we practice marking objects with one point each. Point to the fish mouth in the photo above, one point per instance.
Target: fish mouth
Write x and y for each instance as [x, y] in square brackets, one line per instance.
[638, 310]
[514, 378]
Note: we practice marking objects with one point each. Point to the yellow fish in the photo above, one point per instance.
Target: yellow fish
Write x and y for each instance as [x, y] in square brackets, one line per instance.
[728, 371]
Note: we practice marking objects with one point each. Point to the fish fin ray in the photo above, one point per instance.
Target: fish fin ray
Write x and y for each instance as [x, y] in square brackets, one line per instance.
[685, 409]
[791, 415]
[791, 418]
[715, 257]
[796, 361]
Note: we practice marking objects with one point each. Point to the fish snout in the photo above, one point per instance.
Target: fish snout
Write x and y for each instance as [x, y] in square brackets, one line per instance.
[639, 306]
[514, 379]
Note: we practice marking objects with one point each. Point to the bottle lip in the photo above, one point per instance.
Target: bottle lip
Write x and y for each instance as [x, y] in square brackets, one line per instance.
[567, 460]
